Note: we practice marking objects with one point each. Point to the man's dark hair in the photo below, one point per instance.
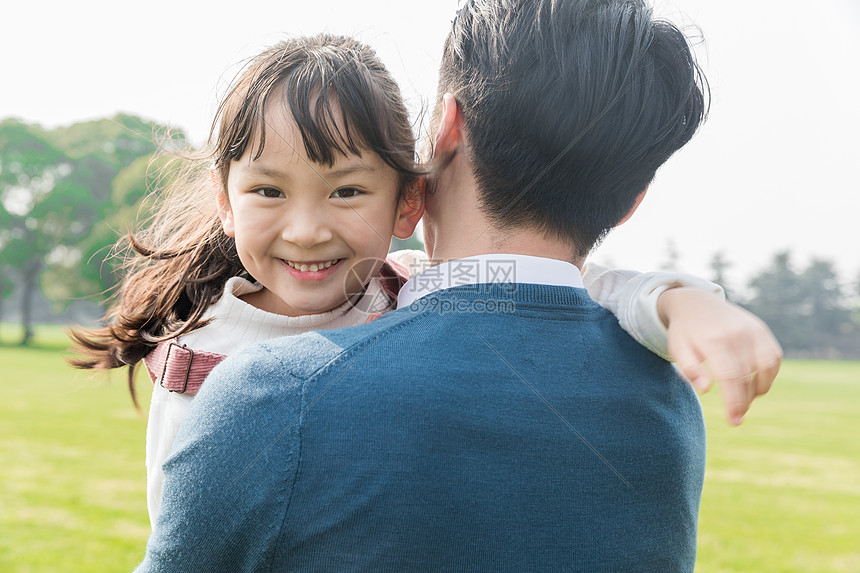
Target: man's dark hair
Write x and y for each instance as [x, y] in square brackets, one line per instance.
[569, 107]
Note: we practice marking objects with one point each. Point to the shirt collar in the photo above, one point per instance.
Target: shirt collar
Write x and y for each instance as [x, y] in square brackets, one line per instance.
[493, 268]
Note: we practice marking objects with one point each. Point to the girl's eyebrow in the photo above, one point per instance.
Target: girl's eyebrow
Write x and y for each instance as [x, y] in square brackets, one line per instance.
[350, 170]
[335, 173]
[266, 171]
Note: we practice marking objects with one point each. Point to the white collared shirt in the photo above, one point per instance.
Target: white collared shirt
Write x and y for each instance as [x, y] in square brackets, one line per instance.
[492, 268]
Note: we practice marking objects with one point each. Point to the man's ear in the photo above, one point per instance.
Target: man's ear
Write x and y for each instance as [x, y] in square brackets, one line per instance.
[448, 137]
[634, 207]
[410, 210]
[225, 213]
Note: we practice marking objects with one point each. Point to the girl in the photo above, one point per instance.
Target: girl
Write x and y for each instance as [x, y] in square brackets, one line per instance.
[313, 170]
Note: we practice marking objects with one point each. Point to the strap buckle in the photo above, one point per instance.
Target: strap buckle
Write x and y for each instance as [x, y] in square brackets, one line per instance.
[182, 354]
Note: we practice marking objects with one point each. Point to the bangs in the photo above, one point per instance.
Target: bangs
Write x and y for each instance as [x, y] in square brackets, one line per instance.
[334, 97]
[327, 127]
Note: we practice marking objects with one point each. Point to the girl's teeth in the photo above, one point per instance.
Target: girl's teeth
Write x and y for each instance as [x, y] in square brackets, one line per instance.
[312, 268]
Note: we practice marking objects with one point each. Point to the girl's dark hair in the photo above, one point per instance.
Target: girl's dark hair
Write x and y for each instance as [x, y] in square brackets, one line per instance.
[343, 101]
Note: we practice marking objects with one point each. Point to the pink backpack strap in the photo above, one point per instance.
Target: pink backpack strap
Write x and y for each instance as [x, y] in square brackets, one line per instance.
[178, 368]
[393, 276]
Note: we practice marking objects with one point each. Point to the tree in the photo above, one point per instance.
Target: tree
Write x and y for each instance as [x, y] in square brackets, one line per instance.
[719, 265]
[129, 144]
[117, 141]
[89, 270]
[7, 284]
[54, 186]
[825, 298]
[777, 299]
[412, 242]
[30, 168]
[808, 311]
[830, 318]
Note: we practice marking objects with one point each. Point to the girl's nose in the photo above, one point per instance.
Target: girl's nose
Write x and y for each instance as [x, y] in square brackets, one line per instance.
[306, 227]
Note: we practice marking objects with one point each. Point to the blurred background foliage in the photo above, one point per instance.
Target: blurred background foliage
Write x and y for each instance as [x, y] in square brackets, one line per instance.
[66, 196]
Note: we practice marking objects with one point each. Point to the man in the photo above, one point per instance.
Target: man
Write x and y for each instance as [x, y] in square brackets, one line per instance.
[500, 420]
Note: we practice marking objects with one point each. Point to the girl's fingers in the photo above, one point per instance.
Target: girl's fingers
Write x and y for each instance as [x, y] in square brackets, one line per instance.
[689, 362]
[734, 369]
[770, 361]
[738, 394]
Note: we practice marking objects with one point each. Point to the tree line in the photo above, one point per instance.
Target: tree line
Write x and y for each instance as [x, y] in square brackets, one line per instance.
[67, 194]
[812, 312]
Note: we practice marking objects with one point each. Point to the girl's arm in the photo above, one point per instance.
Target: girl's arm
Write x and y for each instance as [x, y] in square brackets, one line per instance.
[686, 320]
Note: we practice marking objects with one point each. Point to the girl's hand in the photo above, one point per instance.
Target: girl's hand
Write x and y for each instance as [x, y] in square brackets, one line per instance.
[711, 339]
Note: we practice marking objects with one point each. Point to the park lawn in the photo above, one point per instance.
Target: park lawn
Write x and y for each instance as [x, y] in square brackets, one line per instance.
[72, 476]
[782, 492]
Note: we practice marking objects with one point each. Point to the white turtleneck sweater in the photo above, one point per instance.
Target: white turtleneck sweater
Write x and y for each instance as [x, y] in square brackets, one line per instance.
[630, 295]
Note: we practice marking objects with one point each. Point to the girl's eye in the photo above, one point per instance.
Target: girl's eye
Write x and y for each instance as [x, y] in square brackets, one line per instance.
[269, 192]
[346, 193]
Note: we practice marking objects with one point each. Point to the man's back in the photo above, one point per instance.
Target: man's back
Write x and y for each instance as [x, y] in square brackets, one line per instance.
[496, 427]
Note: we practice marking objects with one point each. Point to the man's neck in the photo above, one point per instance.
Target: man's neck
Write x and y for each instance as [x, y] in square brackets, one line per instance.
[520, 243]
[455, 226]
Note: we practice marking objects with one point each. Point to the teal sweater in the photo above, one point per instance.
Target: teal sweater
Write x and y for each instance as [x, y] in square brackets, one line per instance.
[485, 428]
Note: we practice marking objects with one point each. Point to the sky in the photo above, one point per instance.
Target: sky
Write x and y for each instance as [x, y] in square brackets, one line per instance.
[773, 169]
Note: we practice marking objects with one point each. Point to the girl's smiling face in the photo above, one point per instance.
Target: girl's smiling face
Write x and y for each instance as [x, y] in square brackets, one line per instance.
[309, 233]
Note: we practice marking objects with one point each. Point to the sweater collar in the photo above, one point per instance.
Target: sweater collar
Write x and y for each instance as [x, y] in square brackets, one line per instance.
[350, 313]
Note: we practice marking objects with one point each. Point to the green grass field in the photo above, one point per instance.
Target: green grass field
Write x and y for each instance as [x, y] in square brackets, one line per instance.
[782, 492]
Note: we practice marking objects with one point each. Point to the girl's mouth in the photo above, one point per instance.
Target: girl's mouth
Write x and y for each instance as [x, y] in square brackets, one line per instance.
[312, 271]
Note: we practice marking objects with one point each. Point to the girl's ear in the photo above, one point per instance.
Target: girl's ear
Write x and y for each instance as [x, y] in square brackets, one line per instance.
[410, 210]
[225, 213]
